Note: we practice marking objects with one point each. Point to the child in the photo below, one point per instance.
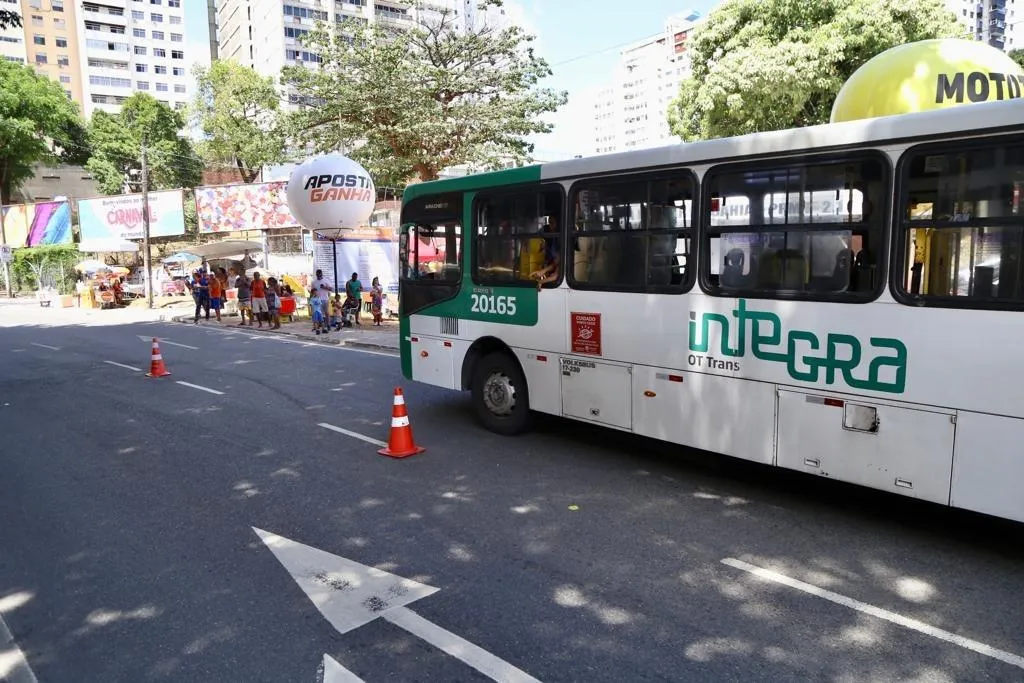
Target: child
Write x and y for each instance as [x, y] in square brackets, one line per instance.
[273, 303]
[349, 310]
[337, 313]
[319, 319]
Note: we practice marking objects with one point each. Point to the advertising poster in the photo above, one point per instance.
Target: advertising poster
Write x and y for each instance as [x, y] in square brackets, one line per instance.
[260, 206]
[120, 216]
[370, 252]
[36, 225]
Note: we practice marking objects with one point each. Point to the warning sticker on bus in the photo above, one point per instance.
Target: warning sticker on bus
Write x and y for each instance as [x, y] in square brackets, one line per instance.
[586, 333]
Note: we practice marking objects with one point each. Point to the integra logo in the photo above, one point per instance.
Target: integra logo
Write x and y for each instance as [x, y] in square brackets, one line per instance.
[978, 86]
[841, 356]
[350, 187]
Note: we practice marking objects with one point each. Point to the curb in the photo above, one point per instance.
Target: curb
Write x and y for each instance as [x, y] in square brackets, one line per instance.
[187, 320]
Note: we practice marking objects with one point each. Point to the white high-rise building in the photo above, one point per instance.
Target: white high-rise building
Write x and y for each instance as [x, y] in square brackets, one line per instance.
[133, 46]
[630, 112]
[12, 40]
[995, 22]
[266, 35]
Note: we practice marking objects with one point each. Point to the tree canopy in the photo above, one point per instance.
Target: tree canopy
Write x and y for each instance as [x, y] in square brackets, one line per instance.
[410, 101]
[761, 65]
[38, 123]
[9, 19]
[237, 111]
[117, 139]
[1017, 56]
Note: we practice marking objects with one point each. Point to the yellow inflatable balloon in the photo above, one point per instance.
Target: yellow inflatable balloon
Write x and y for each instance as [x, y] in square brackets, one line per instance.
[929, 74]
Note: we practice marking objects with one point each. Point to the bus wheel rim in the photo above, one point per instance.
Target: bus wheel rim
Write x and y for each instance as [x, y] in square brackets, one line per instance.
[499, 394]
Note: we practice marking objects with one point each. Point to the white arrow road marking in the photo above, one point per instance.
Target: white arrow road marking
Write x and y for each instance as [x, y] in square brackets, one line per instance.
[336, 673]
[349, 595]
[13, 665]
[165, 341]
[122, 365]
[354, 435]
[898, 619]
[46, 346]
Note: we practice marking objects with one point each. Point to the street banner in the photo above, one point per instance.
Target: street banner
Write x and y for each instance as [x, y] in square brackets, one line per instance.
[259, 206]
[120, 216]
[35, 225]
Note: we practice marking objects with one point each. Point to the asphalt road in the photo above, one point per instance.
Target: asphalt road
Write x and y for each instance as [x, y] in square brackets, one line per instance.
[127, 550]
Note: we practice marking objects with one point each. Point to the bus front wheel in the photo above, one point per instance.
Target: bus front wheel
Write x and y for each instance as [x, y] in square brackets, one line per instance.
[500, 395]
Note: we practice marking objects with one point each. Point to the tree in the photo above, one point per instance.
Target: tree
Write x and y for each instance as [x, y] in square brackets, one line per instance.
[1017, 56]
[761, 65]
[117, 140]
[412, 101]
[9, 19]
[238, 110]
[38, 123]
[46, 266]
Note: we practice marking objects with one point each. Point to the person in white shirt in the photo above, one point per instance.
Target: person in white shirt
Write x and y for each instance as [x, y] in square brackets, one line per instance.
[322, 288]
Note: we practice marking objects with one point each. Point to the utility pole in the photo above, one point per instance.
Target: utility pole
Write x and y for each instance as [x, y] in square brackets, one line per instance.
[146, 257]
[7, 265]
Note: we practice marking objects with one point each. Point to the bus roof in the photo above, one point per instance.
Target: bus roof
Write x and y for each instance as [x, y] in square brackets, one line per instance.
[951, 121]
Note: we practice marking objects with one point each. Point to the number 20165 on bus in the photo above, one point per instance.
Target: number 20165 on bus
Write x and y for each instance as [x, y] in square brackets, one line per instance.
[488, 303]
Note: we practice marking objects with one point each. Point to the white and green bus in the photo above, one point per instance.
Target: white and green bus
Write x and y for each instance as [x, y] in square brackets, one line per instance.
[845, 300]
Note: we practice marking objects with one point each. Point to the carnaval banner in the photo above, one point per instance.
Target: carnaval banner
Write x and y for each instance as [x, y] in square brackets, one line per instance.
[120, 216]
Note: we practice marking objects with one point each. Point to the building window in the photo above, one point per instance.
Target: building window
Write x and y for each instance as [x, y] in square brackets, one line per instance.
[290, 32]
[811, 230]
[139, 32]
[138, 15]
[177, 54]
[175, 20]
[156, 18]
[61, 42]
[179, 88]
[632, 234]
[154, 2]
[142, 85]
[179, 105]
[59, 23]
[40, 58]
[110, 82]
[512, 235]
[63, 60]
[141, 68]
[37, 20]
[159, 52]
[140, 49]
[177, 38]
[159, 69]
[158, 35]
[57, 5]
[64, 78]
[38, 40]
[174, 3]
[961, 230]
[178, 71]
[161, 87]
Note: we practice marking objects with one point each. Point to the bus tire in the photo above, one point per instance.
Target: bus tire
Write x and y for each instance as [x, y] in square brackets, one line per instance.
[500, 396]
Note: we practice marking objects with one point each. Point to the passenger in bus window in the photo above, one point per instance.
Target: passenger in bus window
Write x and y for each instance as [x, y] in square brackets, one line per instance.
[552, 255]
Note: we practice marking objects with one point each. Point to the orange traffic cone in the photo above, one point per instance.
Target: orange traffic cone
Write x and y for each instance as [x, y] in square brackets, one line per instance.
[400, 443]
[156, 365]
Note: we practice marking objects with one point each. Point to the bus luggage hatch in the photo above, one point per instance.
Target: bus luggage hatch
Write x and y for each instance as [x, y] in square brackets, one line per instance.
[597, 391]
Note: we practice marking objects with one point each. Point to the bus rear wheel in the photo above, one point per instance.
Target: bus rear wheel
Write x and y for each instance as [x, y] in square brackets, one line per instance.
[500, 396]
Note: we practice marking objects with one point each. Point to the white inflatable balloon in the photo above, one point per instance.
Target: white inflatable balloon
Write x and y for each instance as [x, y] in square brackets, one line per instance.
[331, 192]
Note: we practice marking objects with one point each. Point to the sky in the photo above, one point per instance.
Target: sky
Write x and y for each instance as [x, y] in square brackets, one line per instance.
[580, 39]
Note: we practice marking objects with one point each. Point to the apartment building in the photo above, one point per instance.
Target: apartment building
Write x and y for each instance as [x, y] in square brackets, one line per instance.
[53, 41]
[630, 112]
[12, 40]
[266, 35]
[995, 22]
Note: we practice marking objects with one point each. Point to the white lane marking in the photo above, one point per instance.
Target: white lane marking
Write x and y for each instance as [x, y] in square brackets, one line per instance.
[336, 673]
[354, 435]
[14, 667]
[196, 386]
[898, 619]
[483, 661]
[166, 341]
[307, 344]
[122, 365]
[46, 346]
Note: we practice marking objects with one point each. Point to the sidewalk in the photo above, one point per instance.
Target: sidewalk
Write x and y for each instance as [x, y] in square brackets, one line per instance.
[383, 338]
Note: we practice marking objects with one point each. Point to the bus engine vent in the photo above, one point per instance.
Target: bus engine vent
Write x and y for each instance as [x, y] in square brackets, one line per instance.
[449, 326]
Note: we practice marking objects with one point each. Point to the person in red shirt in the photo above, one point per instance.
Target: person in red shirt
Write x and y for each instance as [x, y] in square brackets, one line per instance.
[216, 294]
[259, 299]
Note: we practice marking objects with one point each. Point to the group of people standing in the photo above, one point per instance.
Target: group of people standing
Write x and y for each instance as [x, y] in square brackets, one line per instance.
[259, 300]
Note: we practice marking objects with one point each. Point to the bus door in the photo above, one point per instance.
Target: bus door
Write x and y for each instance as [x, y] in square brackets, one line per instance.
[430, 251]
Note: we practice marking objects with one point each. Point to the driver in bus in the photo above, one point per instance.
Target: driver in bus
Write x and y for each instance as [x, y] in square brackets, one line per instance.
[552, 255]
